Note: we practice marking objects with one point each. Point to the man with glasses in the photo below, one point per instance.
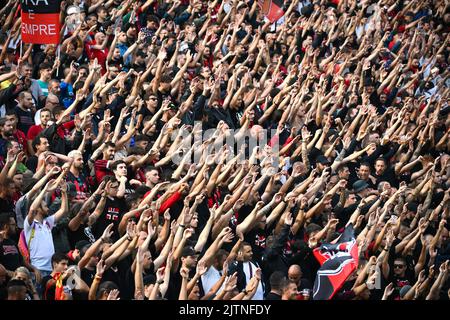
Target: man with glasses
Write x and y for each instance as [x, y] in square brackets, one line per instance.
[400, 275]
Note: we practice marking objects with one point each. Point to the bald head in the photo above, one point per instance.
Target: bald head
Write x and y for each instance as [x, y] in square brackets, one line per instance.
[295, 273]
[257, 132]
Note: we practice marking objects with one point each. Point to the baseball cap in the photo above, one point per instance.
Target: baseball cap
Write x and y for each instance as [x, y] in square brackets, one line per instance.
[360, 185]
[188, 251]
[81, 244]
[322, 159]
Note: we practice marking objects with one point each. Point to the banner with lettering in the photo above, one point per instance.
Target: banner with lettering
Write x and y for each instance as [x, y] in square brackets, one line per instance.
[40, 21]
[272, 9]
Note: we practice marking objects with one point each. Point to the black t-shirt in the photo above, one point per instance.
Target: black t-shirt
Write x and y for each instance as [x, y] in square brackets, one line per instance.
[6, 205]
[25, 119]
[10, 256]
[272, 296]
[88, 275]
[389, 176]
[112, 213]
[32, 163]
[257, 239]
[81, 185]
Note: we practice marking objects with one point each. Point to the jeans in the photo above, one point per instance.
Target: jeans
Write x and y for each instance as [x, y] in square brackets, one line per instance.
[39, 287]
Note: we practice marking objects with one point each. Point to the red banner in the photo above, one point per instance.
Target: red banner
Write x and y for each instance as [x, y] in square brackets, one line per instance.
[40, 21]
[40, 28]
[272, 9]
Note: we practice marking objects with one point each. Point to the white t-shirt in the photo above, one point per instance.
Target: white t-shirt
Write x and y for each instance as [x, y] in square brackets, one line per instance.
[41, 246]
[210, 278]
[249, 270]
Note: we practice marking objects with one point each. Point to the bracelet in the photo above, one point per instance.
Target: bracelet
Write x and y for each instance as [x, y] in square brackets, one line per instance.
[182, 226]
[245, 292]
[160, 282]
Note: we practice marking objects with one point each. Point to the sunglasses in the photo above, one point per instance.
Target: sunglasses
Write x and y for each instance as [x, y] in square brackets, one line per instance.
[399, 266]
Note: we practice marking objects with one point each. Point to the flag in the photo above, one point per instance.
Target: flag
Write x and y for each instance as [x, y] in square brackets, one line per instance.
[272, 9]
[40, 21]
[59, 290]
[338, 261]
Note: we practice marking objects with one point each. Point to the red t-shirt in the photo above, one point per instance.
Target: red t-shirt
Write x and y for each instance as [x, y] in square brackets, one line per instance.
[34, 131]
[101, 170]
[101, 55]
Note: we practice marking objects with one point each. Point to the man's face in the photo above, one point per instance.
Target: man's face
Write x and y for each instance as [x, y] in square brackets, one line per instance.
[110, 152]
[132, 31]
[8, 129]
[143, 144]
[51, 101]
[103, 14]
[18, 181]
[290, 293]
[374, 138]
[351, 199]
[11, 190]
[152, 177]
[247, 253]
[91, 21]
[399, 267]
[15, 147]
[27, 101]
[112, 190]
[121, 170]
[116, 54]
[54, 88]
[43, 146]
[27, 71]
[190, 261]
[12, 229]
[83, 73]
[295, 275]
[99, 37]
[195, 293]
[364, 172]
[46, 74]
[13, 119]
[379, 167]
[152, 102]
[344, 173]
[78, 161]
[45, 117]
[194, 221]
[147, 260]
[60, 266]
